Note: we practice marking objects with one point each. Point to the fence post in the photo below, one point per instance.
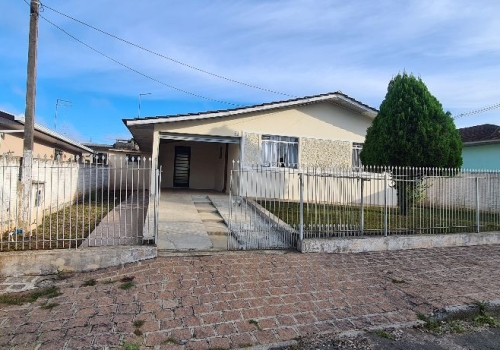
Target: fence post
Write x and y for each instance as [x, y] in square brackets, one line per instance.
[385, 203]
[477, 205]
[301, 212]
[362, 209]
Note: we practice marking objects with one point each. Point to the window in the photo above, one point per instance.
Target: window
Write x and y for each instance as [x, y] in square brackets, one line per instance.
[280, 151]
[133, 158]
[58, 154]
[100, 158]
[356, 150]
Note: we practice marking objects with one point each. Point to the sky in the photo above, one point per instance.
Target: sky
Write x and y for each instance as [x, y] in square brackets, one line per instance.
[291, 47]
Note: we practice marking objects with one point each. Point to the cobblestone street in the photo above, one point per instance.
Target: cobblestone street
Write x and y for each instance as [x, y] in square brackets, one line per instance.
[240, 299]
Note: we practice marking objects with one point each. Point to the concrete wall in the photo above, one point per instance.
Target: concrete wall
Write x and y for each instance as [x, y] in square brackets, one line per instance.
[130, 175]
[338, 187]
[461, 192]
[481, 157]
[376, 244]
[61, 183]
[29, 263]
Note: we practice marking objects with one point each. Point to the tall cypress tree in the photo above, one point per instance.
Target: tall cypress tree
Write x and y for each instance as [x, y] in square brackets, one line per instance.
[411, 129]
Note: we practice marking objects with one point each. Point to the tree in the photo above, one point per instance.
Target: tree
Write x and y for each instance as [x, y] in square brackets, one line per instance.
[411, 130]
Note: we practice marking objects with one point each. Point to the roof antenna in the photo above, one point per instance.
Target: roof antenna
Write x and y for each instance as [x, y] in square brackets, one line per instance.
[62, 103]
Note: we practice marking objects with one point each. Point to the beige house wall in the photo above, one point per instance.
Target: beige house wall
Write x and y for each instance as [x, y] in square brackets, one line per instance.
[326, 132]
[12, 144]
[322, 121]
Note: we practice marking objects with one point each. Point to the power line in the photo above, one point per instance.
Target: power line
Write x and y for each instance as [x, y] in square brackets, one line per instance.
[478, 111]
[168, 58]
[135, 70]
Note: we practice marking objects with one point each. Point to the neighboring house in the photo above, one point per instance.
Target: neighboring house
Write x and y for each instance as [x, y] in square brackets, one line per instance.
[47, 143]
[122, 151]
[196, 150]
[53, 183]
[481, 147]
[127, 166]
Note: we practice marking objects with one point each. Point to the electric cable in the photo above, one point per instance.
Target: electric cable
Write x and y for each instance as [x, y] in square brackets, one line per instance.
[478, 111]
[135, 70]
[166, 57]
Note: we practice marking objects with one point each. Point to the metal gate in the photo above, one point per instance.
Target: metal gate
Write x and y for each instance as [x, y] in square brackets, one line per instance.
[252, 225]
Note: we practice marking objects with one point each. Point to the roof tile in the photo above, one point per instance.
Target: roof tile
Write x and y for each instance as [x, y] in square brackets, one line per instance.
[478, 133]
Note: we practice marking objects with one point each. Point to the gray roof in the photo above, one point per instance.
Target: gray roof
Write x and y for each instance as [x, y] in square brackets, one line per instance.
[485, 133]
[43, 132]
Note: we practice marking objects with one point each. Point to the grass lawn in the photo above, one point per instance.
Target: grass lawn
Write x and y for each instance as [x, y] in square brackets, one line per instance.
[327, 218]
[67, 227]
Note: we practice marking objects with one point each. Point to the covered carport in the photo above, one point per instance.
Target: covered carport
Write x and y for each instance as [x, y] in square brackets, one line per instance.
[200, 162]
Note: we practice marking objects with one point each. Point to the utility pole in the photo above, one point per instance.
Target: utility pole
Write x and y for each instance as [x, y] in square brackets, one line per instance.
[29, 119]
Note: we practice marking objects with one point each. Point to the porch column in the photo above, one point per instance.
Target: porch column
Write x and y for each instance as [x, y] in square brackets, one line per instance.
[150, 229]
[154, 161]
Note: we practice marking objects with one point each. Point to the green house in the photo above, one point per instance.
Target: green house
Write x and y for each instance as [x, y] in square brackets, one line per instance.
[481, 147]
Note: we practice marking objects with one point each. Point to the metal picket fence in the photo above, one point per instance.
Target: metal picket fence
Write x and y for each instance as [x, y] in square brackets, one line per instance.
[273, 207]
[75, 204]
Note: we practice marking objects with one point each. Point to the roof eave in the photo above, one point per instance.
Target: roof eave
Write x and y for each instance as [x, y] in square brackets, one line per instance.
[57, 136]
[480, 143]
[367, 111]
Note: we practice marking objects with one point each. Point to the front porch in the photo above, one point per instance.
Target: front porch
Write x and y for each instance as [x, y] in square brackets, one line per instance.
[197, 162]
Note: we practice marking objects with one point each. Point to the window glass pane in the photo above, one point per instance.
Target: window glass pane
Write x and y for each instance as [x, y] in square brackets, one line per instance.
[279, 151]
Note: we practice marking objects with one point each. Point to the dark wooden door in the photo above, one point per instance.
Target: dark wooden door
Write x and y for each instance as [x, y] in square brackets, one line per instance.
[181, 166]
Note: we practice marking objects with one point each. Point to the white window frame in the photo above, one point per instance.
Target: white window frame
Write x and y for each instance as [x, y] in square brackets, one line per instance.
[357, 147]
[279, 140]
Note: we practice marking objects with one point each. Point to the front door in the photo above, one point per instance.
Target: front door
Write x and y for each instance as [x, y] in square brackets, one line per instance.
[181, 166]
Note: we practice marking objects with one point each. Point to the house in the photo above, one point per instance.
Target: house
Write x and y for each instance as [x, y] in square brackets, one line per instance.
[119, 152]
[47, 143]
[481, 147]
[196, 150]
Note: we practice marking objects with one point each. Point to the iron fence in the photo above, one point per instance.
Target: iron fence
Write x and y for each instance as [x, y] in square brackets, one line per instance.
[287, 204]
[76, 204]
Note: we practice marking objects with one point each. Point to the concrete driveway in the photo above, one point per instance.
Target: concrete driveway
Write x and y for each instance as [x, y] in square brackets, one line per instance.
[187, 221]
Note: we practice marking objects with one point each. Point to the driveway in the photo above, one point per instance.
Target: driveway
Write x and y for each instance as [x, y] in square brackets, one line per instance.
[180, 221]
[238, 299]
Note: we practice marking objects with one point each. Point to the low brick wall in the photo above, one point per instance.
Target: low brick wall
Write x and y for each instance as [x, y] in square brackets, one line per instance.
[46, 262]
[376, 244]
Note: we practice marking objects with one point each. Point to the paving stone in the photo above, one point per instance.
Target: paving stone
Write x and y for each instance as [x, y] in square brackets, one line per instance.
[203, 299]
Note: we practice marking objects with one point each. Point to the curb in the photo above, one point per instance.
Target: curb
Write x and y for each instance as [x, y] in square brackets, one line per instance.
[464, 310]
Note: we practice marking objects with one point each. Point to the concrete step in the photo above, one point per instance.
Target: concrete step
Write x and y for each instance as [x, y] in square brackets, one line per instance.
[205, 207]
[216, 228]
[201, 199]
[212, 216]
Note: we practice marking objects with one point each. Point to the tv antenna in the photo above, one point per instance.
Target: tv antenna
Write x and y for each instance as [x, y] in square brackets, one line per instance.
[62, 103]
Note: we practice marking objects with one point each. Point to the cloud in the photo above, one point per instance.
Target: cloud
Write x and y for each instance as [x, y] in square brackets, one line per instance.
[293, 46]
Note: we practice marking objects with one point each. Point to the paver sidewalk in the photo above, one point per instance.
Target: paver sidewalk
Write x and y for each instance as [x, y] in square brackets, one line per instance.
[230, 300]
